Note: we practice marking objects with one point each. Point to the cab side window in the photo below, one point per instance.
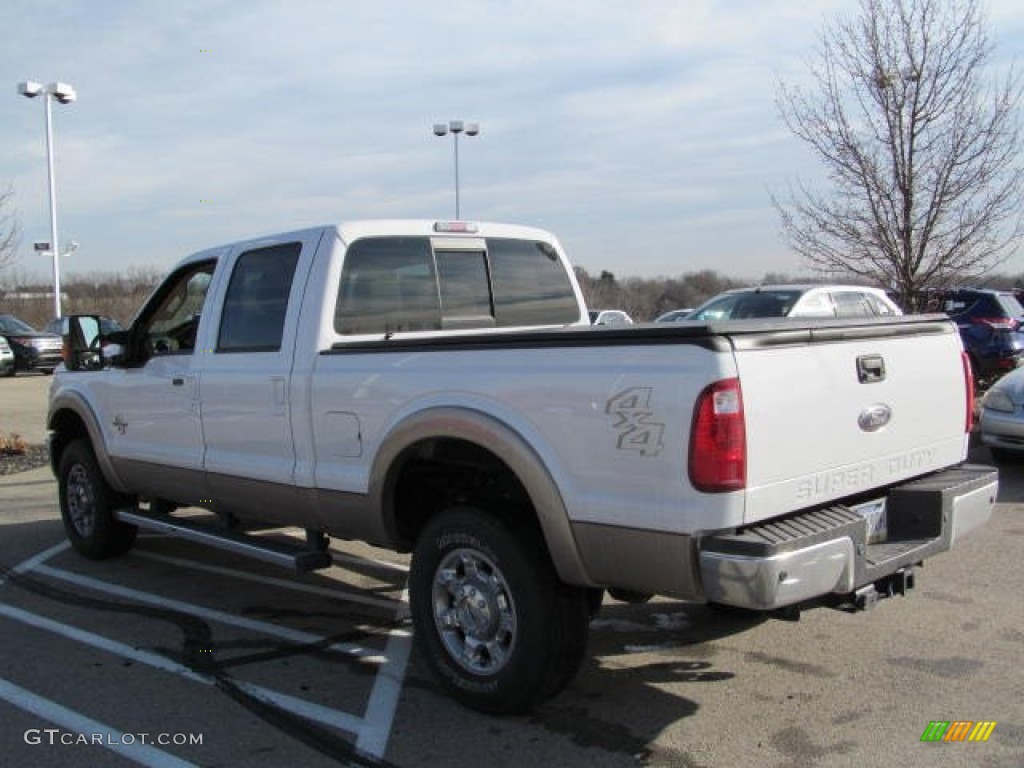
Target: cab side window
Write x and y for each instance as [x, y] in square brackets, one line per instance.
[257, 299]
[170, 322]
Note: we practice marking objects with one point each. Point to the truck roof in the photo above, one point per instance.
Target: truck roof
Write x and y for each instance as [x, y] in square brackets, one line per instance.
[353, 230]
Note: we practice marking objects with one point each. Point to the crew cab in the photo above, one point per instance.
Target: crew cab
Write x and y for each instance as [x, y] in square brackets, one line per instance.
[436, 388]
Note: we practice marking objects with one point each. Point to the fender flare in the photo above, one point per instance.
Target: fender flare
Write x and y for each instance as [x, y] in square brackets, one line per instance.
[498, 438]
[75, 402]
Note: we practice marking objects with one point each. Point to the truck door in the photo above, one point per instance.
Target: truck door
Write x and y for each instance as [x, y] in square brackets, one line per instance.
[151, 418]
[246, 382]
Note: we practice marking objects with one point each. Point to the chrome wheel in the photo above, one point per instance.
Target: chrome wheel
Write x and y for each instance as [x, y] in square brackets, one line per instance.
[81, 500]
[474, 612]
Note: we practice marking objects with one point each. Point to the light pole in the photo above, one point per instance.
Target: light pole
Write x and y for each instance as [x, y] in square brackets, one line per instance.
[456, 127]
[65, 94]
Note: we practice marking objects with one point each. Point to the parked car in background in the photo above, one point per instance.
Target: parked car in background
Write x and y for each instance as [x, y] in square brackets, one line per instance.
[6, 358]
[33, 350]
[1001, 426]
[59, 325]
[990, 323]
[609, 317]
[674, 316]
[797, 301]
[1000, 309]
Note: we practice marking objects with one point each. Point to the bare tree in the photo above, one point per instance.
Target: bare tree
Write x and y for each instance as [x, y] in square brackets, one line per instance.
[922, 152]
[10, 232]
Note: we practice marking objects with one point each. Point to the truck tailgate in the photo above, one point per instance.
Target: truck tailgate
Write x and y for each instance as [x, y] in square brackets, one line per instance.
[834, 409]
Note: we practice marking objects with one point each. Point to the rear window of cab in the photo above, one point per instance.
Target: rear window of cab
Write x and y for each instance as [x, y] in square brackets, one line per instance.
[405, 284]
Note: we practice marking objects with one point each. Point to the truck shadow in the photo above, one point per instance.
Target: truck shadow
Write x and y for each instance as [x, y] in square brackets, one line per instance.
[1011, 473]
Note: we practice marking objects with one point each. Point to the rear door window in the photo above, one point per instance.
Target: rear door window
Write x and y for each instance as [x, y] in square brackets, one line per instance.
[257, 299]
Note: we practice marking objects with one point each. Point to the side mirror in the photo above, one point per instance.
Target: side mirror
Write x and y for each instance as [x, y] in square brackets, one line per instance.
[83, 343]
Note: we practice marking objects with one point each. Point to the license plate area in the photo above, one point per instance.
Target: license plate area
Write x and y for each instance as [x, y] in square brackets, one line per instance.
[874, 512]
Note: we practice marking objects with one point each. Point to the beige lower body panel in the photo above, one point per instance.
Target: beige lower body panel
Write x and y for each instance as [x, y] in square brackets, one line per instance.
[342, 515]
[652, 562]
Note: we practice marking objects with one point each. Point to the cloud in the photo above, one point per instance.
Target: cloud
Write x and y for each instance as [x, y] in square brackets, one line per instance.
[201, 121]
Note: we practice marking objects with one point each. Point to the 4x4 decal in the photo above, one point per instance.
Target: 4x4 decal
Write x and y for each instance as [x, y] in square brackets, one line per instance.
[637, 432]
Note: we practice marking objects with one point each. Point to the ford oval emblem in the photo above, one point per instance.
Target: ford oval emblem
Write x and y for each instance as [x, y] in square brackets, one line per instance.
[874, 417]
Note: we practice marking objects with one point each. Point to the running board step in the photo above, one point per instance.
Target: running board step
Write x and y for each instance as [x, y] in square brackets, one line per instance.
[314, 556]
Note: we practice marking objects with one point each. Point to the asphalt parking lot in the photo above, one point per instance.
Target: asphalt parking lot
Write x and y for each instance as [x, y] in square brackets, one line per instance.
[177, 655]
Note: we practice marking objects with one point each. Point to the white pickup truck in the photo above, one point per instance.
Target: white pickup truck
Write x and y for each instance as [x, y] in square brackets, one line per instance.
[436, 388]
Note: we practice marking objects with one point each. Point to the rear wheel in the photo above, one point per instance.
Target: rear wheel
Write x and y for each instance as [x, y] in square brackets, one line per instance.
[497, 627]
[87, 505]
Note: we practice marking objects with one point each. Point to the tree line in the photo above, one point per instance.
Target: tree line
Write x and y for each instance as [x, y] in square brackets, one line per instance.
[121, 295]
[116, 295]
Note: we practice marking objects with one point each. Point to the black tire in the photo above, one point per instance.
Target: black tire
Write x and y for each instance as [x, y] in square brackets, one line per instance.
[497, 627]
[87, 505]
[10, 374]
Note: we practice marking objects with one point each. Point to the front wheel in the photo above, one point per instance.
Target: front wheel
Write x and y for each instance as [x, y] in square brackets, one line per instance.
[499, 630]
[87, 505]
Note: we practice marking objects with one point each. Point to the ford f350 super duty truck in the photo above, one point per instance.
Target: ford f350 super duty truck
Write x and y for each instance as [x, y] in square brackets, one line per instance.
[435, 388]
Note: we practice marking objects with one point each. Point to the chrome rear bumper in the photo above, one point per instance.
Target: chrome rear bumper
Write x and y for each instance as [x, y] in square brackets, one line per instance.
[826, 551]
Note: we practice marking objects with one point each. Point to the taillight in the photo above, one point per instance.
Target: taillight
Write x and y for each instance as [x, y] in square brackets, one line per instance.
[969, 391]
[718, 439]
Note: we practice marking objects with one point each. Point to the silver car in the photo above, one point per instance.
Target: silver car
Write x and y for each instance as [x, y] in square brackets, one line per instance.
[1001, 426]
[799, 300]
[6, 358]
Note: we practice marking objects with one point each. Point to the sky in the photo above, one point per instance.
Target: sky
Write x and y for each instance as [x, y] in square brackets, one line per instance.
[643, 134]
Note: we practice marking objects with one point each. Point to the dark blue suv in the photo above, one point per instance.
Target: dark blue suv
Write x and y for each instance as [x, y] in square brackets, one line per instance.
[990, 323]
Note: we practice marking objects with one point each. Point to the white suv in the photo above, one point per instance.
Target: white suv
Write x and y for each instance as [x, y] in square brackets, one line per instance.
[797, 301]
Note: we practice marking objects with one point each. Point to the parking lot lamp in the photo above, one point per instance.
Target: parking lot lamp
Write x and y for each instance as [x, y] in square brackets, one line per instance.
[456, 127]
[65, 94]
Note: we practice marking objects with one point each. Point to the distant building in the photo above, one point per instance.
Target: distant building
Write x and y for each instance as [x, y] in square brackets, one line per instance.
[30, 295]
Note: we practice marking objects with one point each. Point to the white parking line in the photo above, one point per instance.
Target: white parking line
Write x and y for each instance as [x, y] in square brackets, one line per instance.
[325, 715]
[387, 688]
[352, 597]
[99, 642]
[373, 730]
[36, 560]
[113, 739]
[292, 635]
